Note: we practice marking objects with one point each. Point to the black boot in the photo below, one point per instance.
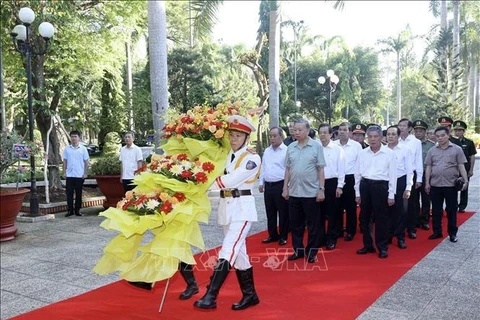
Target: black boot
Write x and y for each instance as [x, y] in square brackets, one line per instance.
[250, 298]
[186, 270]
[220, 273]
[142, 285]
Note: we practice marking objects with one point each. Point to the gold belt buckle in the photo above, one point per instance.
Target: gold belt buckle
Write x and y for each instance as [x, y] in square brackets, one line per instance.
[227, 193]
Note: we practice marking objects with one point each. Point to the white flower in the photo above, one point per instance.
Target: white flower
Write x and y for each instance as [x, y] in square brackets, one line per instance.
[196, 170]
[176, 169]
[152, 204]
[186, 164]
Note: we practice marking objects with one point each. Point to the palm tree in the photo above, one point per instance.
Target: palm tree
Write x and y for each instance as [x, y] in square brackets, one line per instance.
[397, 45]
[274, 63]
[157, 47]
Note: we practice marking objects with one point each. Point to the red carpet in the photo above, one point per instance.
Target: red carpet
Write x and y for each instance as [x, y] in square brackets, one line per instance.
[340, 286]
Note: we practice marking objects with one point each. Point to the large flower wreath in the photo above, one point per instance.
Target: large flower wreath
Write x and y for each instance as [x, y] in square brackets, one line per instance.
[170, 198]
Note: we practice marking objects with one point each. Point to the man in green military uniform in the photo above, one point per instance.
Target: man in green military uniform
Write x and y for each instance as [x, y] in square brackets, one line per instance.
[469, 150]
[420, 128]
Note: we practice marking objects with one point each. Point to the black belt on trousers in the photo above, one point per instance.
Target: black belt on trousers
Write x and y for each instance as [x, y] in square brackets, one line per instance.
[374, 181]
[273, 183]
[234, 193]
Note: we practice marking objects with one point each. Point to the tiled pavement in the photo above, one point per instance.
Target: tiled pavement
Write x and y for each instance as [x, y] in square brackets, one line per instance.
[52, 260]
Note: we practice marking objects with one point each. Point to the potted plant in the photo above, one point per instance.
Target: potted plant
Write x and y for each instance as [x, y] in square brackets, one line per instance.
[107, 171]
[12, 150]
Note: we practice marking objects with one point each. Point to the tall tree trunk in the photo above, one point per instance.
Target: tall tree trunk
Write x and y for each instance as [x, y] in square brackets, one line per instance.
[157, 40]
[399, 89]
[456, 47]
[2, 92]
[43, 120]
[274, 64]
[471, 84]
[443, 14]
[477, 93]
[131, 125]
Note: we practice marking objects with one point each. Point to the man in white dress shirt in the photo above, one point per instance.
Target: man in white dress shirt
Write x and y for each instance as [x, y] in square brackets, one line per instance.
[398, 212]
[131, 158]
[271, 184]
[351, 149]
[375, 186]
[334, 181]
[415, 146]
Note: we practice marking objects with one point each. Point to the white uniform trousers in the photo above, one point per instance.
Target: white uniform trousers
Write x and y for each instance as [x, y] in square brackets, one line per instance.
[234, 247]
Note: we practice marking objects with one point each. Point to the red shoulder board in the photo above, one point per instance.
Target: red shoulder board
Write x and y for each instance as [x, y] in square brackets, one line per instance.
[251, 151]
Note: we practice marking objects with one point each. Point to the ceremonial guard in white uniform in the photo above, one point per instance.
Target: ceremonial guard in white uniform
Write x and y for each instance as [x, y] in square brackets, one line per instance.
[236, 212]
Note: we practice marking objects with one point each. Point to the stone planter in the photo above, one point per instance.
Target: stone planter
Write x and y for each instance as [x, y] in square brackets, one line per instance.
[112, 189]
[10, 204]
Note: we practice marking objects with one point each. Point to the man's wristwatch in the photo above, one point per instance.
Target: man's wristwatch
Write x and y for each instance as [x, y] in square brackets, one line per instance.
[322, 188]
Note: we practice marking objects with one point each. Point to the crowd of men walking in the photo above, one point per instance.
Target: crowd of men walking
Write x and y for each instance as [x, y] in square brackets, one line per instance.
[403, 171]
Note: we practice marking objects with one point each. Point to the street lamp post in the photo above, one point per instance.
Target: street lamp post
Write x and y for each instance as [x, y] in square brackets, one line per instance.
[21, 36]
[332, 82]
[296, 28]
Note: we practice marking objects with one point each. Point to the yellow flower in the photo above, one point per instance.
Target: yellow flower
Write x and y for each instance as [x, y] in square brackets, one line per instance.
[211, 116]
[219, 133]
[212, 129]
[163, 196]
[156, 157]
[179, 137]
[206, 124]
[120, 204]
[174, 200]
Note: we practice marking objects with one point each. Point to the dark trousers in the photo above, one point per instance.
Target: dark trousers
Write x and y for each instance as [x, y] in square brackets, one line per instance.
[398, 212]
[413, 206]
[424, 213]
[374, 196]
[347, 203]
[127, 184]
[329, 213]
[464, 198]
[275, 203]
[449, 195]
[303, 210]
[74, 186]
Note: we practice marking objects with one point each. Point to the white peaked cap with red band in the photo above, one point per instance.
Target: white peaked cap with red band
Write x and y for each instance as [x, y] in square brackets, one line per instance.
[239, 123]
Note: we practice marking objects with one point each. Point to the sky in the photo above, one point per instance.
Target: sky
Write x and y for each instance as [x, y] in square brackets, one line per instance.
[360, 22]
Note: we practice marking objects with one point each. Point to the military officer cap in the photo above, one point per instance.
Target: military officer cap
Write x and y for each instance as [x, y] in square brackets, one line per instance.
[445, 121]
[239, 123]
[359, 128]
[459, 125]
[420, 124]
[371, 125]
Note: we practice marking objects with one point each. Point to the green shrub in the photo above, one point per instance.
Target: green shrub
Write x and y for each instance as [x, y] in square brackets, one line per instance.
[106, 166]
[113, 143]
[476, 139]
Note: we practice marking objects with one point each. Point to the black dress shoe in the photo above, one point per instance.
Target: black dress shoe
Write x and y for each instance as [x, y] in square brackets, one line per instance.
[461, 210]
[331, 246]
[269, 240]
[349, 237]
[412, 235]
[453, 239]
[383, 254]
[282, 242]
[69, 214]
[78, 214]
[312, 259]
[402, 244]
[425, 226]
[435, 236]
[294, 257]
[366, 250]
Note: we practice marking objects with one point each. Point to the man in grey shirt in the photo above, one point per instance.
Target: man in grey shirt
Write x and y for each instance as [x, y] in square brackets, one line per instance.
[304, 187]
[445, 162]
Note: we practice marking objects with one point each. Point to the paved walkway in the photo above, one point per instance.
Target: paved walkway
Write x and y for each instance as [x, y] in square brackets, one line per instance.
[52, 260]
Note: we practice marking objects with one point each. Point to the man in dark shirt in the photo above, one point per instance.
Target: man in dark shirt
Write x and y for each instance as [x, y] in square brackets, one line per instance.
[358, 134]
[469, 150]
